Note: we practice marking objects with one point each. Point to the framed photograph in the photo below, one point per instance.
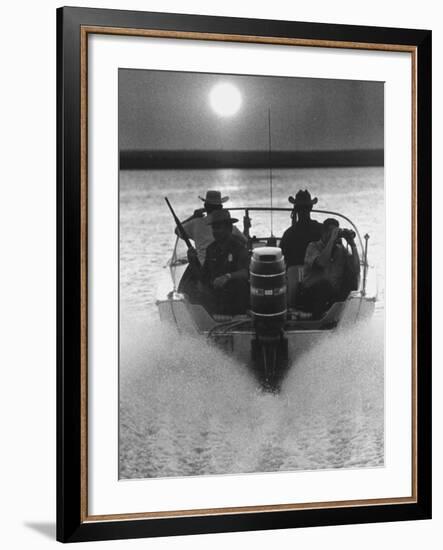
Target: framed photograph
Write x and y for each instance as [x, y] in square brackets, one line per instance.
[244, 274]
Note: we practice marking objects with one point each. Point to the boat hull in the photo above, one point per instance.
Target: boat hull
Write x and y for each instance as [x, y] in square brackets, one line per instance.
[236, 336]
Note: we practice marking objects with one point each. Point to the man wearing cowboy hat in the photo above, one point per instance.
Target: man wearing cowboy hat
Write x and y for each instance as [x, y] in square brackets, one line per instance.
[296, 239]
[198, 230]
[224, 275]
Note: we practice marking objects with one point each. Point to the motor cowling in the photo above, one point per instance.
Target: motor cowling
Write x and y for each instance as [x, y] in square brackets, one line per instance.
[269, 348]
[268, 288]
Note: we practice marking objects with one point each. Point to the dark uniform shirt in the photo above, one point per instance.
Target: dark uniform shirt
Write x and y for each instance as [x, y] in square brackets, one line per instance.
[222, 258]
[296, 238]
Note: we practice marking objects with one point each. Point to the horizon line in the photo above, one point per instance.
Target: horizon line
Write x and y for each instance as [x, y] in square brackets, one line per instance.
[139, 159]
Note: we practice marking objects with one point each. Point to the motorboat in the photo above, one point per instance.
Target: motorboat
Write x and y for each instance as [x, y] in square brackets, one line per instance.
[270, 335]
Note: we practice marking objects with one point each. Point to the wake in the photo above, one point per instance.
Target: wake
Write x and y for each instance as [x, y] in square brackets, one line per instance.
[188, 409]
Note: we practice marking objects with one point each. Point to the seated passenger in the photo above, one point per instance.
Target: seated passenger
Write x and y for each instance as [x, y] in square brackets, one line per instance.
[200, 232]
[296, 238]
[196, 226]
[330, 271]
[224, 286]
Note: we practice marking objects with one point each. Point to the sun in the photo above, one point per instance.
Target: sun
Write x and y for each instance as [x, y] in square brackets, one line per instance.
[225, 99]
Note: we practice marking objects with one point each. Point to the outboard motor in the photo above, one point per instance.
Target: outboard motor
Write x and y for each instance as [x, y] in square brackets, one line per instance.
[269, 349]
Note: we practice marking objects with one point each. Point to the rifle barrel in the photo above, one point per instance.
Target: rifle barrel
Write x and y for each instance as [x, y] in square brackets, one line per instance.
[179, 225]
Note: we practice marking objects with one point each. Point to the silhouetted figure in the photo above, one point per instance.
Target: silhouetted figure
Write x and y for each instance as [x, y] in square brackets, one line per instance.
[200, 232]
[224, 284]
[296, 239]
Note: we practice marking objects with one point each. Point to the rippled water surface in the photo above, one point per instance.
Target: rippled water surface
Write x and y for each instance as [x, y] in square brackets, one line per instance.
[187, 409]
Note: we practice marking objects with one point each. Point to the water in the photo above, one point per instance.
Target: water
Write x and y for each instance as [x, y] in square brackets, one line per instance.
[187, 409]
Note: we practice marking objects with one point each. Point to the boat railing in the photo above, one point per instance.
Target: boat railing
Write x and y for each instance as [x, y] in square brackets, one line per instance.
[246, 220]
[177, 260]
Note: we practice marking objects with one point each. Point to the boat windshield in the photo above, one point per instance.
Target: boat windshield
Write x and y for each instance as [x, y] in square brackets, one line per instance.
[259, 221]
[254, 222]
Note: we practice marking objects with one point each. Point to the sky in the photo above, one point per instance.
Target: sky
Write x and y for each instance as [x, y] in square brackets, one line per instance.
[171, 110]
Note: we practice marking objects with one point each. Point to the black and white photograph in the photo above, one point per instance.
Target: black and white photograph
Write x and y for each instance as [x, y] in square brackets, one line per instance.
[251, 274]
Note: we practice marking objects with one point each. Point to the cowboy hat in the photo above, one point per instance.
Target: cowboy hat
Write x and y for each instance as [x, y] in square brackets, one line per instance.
[220, 216]
[213, 197]
[303, 198]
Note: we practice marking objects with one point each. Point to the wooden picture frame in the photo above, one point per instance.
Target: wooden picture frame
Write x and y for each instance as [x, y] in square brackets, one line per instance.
[74, 26]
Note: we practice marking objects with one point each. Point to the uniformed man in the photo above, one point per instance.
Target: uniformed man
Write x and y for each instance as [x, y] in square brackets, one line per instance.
[200, 232]
[224, 286]
[196, 226]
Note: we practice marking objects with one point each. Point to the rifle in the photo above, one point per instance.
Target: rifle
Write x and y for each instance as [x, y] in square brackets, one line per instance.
[181, 229]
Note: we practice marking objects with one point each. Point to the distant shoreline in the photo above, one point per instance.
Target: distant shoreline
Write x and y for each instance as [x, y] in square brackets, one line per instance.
[170, 159]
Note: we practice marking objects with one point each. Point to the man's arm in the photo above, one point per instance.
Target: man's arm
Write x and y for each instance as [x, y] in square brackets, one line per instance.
[355, 258]
[311, 255]
[354, 262]
[242, 273]
[324, 257]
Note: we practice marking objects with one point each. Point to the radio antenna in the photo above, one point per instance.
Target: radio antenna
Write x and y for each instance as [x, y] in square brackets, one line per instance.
[270, 167]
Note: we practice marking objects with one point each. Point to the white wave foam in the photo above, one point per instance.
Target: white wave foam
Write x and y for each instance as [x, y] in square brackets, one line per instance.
[188, 409]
